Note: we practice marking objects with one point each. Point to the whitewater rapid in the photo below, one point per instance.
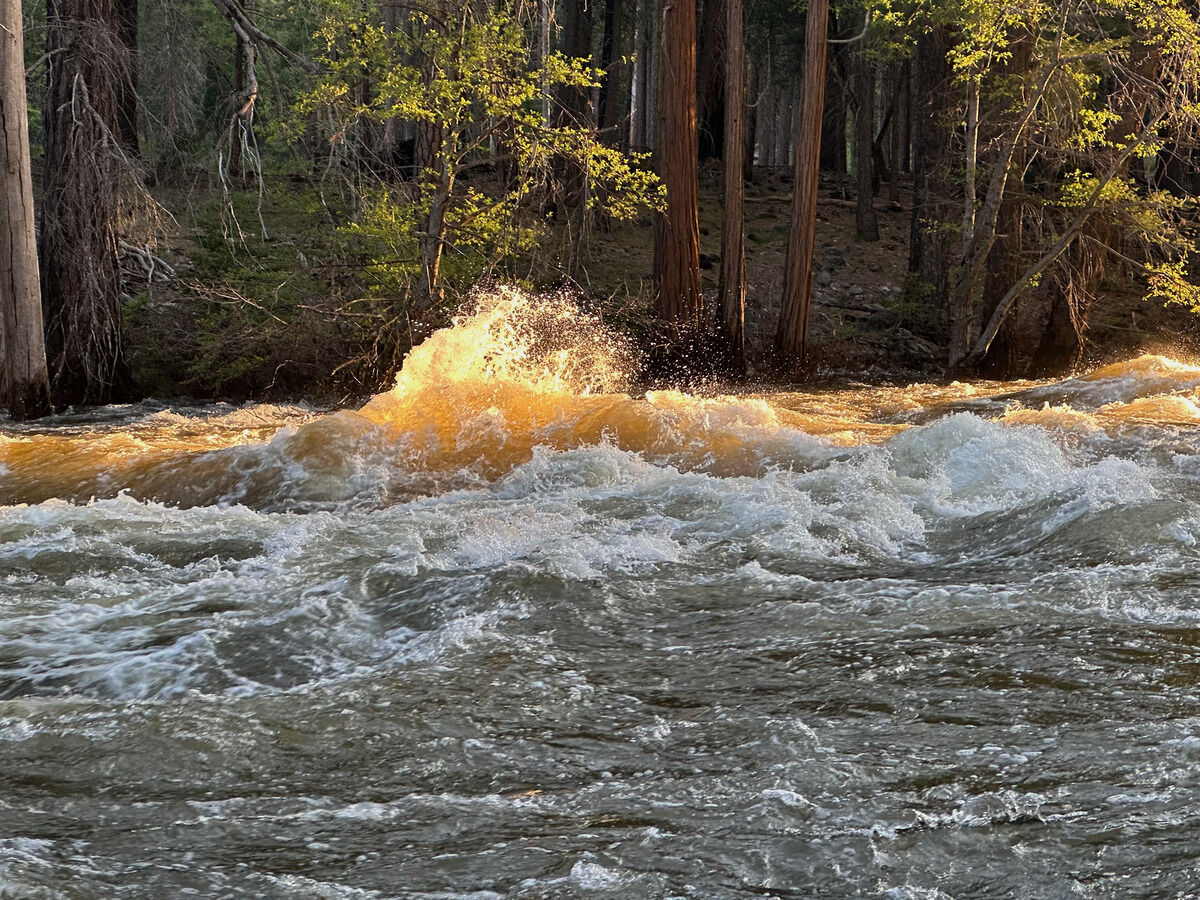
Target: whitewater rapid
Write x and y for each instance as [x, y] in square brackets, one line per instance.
[511, 630]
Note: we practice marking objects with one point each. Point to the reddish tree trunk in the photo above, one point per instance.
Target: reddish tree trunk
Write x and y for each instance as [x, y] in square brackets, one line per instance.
[677, 232]
[791, 338]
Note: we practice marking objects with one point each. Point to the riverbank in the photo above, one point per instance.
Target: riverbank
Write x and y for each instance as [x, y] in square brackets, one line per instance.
[273, 296]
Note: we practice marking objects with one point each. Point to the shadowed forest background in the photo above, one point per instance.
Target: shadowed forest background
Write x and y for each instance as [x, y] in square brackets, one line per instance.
[253, 199]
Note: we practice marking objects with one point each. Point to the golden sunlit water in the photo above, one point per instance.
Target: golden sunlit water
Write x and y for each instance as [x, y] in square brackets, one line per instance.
[516, 629]
[521, 372]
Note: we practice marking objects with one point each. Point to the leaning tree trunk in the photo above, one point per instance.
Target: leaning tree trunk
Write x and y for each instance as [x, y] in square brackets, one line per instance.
[24, 385]
[677, 232]
[732, 288]
[81, 280]
[791, 338]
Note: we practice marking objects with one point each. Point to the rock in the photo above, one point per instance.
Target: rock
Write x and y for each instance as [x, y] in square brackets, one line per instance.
[883, 319]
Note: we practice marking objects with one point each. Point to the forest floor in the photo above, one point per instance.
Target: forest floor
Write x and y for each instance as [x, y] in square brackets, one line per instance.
[300, 313]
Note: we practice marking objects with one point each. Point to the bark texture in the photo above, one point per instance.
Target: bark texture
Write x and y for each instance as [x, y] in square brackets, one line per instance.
[24, 385]
[677, 231]
[81, 281]
[732, 287]
[930, 253]
[791, 338]
[127, 98]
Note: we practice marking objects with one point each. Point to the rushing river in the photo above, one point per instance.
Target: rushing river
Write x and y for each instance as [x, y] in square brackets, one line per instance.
[511, 631]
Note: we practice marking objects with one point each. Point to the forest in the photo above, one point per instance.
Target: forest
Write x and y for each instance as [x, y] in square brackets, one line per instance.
[261, 198]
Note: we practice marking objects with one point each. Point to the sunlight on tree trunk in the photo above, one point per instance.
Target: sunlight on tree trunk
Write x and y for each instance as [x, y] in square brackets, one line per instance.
[24, 385]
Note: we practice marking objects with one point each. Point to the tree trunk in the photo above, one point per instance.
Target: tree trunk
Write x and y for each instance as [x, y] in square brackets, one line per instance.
[732, 288]
[24, 383]
[865, 223]
[677, 232]
[898, 134]
[81, 279]
[643, 42]
[787, 117]
[545, 9]
[575, 108]
[575, 22]
[751, 113]
[906, 109]
[614, 106]
[929, 248]
[433, 241]
[966, 296]
[127, 103]
[710, 108]
[766, 121]
[238, 125]
[608, 43]
[791, 338]
[833, 118]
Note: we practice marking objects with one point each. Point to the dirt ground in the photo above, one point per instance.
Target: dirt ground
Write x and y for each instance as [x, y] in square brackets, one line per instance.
[280, 317]
[865, 326]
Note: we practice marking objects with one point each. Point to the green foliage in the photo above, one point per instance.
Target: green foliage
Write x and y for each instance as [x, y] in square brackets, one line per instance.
[1169, 284]
[465, 79]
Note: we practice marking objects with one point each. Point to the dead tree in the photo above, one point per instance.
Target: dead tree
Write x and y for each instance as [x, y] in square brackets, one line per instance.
[83, 167]
[249, 39]
[24, 384]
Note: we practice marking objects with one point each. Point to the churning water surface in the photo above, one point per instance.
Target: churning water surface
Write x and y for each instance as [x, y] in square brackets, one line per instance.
[508, 631]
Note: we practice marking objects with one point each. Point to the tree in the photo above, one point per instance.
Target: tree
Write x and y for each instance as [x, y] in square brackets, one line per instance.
[83, 169]
[24, 384]
[249, 38]
[127, 91]
[677, 230]
[464, 74]
[865, 222]
[791, 337]
[1081, 112]
[732, 286]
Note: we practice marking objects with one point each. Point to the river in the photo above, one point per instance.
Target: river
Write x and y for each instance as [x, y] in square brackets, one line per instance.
[512, 631]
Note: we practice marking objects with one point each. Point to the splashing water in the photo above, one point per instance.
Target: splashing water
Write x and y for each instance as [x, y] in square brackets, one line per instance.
[511, 631]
